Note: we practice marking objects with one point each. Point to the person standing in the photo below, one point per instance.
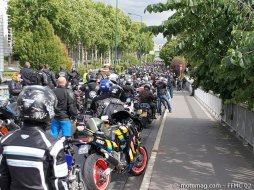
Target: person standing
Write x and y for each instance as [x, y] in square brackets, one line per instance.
[65, 110]
[29, 157]
[41, 76]
[15, 87]
[27, 75]
[50, 77]
[162, 94]
[171, 85]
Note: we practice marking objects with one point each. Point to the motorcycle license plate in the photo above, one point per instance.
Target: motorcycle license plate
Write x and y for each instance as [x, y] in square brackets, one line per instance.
[83, 149]
[144, 114]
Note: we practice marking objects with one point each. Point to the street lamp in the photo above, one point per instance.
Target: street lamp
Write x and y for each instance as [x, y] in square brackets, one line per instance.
[140, 34]
[116, 35]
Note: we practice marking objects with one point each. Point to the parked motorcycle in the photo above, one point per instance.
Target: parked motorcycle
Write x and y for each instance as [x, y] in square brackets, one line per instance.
[75, 179]
[144, 113]
[115, 146]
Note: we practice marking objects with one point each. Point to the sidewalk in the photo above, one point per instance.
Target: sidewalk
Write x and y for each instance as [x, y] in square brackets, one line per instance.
[196, 150]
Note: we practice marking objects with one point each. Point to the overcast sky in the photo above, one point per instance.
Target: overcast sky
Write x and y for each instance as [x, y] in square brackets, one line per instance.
[138, 7]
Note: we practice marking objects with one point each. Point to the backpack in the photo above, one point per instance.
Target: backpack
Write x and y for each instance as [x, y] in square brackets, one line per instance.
[35, 78]
[109, 106]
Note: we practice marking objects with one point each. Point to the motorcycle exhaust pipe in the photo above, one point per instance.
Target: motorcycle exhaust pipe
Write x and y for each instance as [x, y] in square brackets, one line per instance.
[110, 159]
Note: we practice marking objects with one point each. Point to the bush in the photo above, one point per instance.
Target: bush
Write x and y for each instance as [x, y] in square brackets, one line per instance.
[42, 46]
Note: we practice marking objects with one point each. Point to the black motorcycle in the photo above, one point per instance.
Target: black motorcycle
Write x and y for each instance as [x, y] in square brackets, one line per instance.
[114, 146]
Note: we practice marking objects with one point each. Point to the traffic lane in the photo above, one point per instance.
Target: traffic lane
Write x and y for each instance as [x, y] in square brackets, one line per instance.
[126, 181]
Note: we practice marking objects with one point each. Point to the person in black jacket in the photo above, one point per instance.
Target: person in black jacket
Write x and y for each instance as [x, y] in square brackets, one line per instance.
[27, 75]
[64, 111]
[62, 73]
[129, 90]
[50, 77]
[90, 89]
[74, 77]
[15, 87]
[29, 157]
[42, 78]
[146, 96]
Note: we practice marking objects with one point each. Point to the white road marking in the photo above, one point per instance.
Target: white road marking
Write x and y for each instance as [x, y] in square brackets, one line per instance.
[149, 170]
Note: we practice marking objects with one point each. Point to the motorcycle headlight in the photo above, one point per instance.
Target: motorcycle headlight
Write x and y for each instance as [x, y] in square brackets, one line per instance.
[80, 128]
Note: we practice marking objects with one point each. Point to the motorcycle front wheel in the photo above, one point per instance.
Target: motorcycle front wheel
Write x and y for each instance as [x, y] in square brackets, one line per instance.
[141, 163]
[93, 172]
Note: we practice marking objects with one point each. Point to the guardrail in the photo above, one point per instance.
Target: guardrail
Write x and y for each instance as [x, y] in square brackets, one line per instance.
[240, 120]
[210, 101]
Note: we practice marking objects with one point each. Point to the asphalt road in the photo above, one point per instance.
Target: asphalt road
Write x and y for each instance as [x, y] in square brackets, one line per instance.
[195, 150]
[126, 181]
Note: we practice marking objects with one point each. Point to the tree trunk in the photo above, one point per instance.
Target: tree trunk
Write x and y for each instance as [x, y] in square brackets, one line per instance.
[86, 60]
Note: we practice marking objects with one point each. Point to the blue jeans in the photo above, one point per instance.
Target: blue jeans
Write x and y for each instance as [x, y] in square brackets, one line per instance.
[170, 90]
[60, 125]
[166, 99]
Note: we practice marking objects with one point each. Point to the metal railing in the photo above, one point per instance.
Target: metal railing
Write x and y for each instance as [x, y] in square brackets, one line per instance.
[212, 102]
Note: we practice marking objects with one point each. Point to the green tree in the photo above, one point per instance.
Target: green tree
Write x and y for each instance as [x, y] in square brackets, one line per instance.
[217, 38]
[42, 46]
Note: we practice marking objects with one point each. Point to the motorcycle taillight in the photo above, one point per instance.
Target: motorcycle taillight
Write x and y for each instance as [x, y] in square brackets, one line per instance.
[4, 130]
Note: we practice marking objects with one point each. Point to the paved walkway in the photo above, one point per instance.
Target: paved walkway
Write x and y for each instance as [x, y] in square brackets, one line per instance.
[196, 150]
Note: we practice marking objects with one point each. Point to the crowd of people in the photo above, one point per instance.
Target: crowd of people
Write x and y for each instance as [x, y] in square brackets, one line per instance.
[30, 158]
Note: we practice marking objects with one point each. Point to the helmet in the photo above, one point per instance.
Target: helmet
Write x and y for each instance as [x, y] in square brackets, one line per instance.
[105, 85]
[92, 78]
[147, 86]
[116, 91]
[36, 103]
[146, 79]
[113, 77]
[129, 81]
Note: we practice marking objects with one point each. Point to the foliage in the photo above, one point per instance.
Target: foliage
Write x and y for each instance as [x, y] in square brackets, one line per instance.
[78, 22]
[178, 65]
[217, 38]
[42, 47]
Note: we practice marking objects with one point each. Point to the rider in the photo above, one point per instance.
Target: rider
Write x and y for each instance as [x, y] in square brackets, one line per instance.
[146, 96]
[128, 88]
[110, 104]
[30, 158]
[90, 89]
[105, 86]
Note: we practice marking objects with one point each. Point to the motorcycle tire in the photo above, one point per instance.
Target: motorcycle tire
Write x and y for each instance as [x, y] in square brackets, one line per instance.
[94, 166]
[137, 170]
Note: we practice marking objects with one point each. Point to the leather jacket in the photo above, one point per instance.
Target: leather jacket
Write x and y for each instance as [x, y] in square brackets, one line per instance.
[15, 87]
[146, 96]
[66, 106]
[51, 78]
[32, 159]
